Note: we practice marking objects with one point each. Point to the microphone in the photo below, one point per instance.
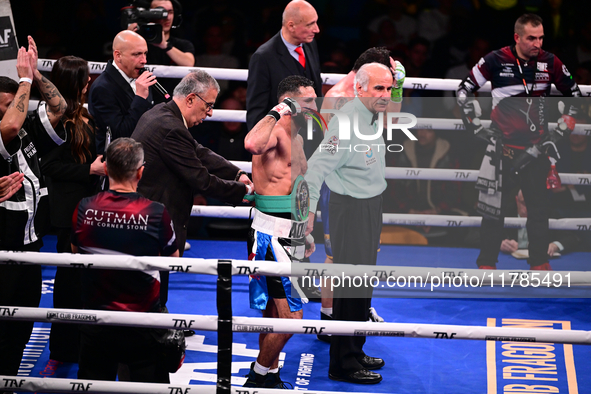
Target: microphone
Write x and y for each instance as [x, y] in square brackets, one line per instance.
[158, 87]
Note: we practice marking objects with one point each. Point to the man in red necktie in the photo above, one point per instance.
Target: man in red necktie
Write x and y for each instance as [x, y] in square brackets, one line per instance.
[292, 51]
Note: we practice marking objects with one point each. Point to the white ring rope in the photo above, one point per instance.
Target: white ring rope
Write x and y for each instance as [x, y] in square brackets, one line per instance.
[233, 74]
[421, 275]
[296, 326]
[234, 115]
[443, 174]
[54, 385]
[246, 324]
[578, 224]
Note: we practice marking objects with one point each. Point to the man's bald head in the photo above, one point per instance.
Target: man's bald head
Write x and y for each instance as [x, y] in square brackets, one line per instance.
[129, 52]
[126, 38]
[299, 23]
[294, 9]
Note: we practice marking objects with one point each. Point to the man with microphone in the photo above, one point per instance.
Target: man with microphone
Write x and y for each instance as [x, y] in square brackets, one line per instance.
[121, 94]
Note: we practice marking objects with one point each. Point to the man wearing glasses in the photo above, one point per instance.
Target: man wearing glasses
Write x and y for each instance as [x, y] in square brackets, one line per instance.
[177, 167]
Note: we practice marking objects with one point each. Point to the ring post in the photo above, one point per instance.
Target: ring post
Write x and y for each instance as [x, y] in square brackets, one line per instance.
[225, 338]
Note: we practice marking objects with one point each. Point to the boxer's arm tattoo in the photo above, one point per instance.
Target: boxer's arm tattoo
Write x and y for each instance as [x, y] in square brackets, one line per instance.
[340, 102]
[338, 105]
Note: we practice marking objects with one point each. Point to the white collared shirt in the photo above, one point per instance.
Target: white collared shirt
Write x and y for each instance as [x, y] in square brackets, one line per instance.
[131, 81]
[291, 48]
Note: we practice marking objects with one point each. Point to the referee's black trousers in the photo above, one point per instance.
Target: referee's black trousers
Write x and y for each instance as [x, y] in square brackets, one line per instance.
[355, 227]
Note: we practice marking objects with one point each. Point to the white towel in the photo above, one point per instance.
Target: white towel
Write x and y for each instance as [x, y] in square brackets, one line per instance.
[490, 182]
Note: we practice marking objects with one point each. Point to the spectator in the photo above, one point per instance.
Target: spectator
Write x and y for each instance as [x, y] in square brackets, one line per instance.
[230, 139]
[388, 36]
[24, 139]
[339, 61]
[565, 241]
[416, 66]
[417, 54]
[72, 172]
[103, 347]
[425, 196]
[574, 200]
[225, 14]
[476, 51]
[583, 74]
[433, 23]
[452, 48]
[404, 25]
[120, 95]
[171, 50]
[214, 56]
[292, 51]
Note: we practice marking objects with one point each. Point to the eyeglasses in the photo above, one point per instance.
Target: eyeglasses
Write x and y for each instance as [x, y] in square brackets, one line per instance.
[143, 164]
[209, 105]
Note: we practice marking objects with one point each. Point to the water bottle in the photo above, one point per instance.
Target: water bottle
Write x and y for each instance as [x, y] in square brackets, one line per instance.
[553, 179]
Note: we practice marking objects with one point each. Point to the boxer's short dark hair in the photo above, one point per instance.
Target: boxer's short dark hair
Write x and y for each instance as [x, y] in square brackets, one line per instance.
[291, 85]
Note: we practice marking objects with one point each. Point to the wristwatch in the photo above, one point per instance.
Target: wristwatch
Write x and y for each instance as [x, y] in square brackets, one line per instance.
[168, 46]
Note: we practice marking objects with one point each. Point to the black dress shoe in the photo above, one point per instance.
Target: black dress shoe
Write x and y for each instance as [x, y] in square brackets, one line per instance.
[371, 363]
[363, 376]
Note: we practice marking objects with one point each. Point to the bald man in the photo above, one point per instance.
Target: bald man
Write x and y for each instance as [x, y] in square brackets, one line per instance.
[120, 95]
[292, 51]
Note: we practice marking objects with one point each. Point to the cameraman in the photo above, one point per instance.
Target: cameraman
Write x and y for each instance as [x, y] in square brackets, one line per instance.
[171, 50]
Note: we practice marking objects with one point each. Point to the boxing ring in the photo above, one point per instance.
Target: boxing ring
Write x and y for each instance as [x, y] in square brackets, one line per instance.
[532, 344]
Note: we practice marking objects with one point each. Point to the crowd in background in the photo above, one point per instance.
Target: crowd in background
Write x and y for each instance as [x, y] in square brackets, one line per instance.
[432, 38]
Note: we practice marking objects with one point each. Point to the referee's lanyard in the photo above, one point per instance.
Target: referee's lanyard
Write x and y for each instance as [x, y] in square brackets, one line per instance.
[522, 75]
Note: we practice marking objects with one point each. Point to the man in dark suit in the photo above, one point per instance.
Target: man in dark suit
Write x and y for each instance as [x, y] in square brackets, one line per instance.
[292, 51]
[120, 95]
[177, 167]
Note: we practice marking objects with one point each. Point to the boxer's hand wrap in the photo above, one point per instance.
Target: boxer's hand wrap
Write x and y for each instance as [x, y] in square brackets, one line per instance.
[399, 74]
[287, 107]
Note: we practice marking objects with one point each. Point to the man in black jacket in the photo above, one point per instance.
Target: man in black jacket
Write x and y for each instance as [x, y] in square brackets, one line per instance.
[120, 95]
[292, 51]
[177, 167]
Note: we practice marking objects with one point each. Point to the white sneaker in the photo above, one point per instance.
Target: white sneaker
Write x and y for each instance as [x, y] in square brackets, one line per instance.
[187, 246]
[373, 316]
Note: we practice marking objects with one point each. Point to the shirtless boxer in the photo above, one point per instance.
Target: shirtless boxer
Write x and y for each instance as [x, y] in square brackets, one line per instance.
[336, 97]
[281, 199]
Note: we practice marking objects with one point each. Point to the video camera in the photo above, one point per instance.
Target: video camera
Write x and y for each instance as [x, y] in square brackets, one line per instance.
[144, 17]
